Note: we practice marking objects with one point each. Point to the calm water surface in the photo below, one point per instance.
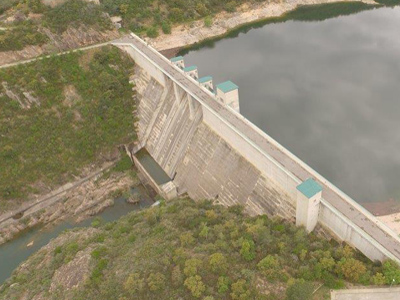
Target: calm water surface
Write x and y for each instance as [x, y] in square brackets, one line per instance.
[328, 91]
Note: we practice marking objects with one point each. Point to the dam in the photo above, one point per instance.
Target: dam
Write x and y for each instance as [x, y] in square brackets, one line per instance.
[210, 151]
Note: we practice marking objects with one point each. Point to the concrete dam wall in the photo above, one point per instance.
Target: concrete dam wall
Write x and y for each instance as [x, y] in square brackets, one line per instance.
[210, 151]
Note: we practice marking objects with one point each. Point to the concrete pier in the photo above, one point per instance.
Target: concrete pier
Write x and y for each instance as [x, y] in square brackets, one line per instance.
[308, 203]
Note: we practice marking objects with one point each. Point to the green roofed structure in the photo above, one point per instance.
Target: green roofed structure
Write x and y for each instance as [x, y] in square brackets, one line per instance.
[309, 188]
[178, 58]
[205, 79]
[227, 86]
[190, 68]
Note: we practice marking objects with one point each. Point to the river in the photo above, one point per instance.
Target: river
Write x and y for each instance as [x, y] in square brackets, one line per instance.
[328, 91]
[16, 251]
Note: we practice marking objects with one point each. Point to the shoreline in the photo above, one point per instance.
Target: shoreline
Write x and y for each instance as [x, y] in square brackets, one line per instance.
[187, 35]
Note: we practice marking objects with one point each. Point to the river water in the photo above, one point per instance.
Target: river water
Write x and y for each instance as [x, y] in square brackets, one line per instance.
[328, 91]
[16, 251]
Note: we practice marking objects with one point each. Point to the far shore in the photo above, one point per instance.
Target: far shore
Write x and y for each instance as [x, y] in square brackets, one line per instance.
[185, 35]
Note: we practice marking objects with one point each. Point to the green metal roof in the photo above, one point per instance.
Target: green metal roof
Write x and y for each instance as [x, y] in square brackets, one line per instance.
[205, 79]
[227, 86]
[190, 68]
[175, 59]
[309, 188]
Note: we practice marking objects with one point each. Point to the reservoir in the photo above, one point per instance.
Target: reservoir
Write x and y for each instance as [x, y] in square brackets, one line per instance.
[329, 91]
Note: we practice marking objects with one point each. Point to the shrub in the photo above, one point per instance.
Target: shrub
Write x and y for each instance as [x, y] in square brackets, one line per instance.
[204, 231]
[156, 281]
[299, 290]
[230, 6]
[208, 21]
[134, 284]
[166, 27]
[248, 250]
[223, 284]
[176, 276]
[187, 239]
[152, 32]
[240, 290]
[267, 263]
[378, 279]
[391, 271]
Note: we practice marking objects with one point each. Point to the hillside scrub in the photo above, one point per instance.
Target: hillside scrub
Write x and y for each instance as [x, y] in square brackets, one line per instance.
[59, 115]
[144, 17]
[187, 250]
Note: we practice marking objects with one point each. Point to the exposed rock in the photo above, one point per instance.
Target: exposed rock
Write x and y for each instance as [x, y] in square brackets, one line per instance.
[53, 3]
[73, 274]
[25, 102]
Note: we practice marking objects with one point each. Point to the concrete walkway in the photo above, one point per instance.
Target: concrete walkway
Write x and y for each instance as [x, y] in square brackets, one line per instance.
[367, 294]
[351, 210]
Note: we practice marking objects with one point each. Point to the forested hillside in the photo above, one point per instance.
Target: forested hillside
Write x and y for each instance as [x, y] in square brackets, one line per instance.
[187, 250]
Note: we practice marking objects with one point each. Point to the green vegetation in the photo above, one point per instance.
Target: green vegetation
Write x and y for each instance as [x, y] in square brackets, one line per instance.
[138, 16]
[74, 13]
[82, 109]
[165, 252]
[24, 34]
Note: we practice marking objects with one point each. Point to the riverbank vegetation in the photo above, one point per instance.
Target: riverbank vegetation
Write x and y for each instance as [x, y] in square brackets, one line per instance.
[60, 115]
[187, 250]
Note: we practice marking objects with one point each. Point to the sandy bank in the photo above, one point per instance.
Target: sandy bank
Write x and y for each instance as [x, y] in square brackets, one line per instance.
[392, 221]
[185, 35]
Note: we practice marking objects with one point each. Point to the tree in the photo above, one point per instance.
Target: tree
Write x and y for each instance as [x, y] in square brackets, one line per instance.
[156, 281]
[300, 290]
[191, 266]
[195, 285]
[223, 284]
[247, 251]
[350, 268]
[218, 263]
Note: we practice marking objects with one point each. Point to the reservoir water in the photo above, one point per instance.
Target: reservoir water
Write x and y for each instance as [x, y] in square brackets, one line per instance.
[328, 91]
